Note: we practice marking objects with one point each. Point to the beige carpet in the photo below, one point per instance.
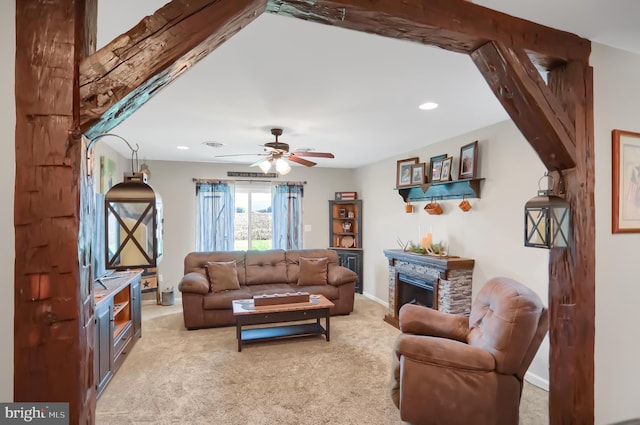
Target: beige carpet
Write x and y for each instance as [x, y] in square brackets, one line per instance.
[174, 376]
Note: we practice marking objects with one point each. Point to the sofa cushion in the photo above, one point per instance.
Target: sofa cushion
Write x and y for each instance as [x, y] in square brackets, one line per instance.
[313, 271]
[329, 291]
[293, 261]
[271, 288]
[265, 267]
[222, 275]
[222, 300]
[197, 261]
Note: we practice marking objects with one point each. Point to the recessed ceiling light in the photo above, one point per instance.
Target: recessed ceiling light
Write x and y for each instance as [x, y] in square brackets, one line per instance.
[214, 145]
[428, 105]
[182, 148]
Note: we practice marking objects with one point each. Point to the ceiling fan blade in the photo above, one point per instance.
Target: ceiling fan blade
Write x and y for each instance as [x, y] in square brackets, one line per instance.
[238, 154]
[302, 161]
[316, 154]
[260, 161]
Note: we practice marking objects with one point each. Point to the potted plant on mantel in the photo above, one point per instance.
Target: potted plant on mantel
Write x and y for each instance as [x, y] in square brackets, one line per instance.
[435, 249]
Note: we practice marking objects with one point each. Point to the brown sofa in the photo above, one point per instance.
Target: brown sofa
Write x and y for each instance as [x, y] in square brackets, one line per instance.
[258, 272]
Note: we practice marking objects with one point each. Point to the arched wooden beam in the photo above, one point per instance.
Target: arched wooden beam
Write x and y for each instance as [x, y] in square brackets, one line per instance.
[455, 25]
[532, 106]
[123, 75]
[452, 24]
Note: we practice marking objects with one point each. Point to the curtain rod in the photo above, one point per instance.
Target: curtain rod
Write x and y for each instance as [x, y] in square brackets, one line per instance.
[196, 180]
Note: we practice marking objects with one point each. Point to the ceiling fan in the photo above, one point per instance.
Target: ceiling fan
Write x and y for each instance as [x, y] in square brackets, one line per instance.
[278, 153]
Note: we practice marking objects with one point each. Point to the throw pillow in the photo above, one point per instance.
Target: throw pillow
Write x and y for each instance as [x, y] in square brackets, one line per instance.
[223, 276]
[313, 271]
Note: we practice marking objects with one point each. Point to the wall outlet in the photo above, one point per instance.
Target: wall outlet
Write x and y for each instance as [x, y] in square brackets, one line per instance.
[160, 279]
[307, 227]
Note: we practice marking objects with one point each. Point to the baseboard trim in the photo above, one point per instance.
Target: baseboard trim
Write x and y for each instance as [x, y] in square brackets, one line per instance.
[376, 299]
[536, 380]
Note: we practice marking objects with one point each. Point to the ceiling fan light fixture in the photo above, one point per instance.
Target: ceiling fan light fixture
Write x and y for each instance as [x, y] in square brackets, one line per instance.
[282, 166]
[265, 166]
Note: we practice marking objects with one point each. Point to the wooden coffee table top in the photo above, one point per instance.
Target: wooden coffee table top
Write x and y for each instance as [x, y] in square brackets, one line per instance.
[241, 307]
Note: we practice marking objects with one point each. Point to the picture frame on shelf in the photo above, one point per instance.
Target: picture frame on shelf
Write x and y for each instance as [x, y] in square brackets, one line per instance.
[468, 161]
[404, 171]
[417, 173]
[625, 157]
[445, 174]
[435, 167]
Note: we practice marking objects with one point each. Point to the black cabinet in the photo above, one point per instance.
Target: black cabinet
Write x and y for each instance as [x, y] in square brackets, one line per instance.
[352, 259]
[103, 358]
[345, 235]
[118, 323]
[136, 308]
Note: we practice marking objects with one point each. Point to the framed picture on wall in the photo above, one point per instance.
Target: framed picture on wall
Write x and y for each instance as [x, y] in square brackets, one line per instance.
[404, 171]
[417, 173]
[625, 157]
[468, 161]
[445, 174]
[435, 167]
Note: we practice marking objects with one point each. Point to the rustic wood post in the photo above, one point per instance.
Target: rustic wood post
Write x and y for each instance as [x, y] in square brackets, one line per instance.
[572, 270]
[54, 328]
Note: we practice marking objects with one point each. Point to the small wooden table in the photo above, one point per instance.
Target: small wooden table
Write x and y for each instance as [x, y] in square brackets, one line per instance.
[247, 314]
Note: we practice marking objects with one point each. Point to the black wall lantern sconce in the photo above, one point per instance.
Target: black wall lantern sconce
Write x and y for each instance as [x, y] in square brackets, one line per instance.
[132, 220]
[547, 218]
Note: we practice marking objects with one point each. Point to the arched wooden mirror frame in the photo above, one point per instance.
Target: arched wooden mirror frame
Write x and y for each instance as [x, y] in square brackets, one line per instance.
[65, 89]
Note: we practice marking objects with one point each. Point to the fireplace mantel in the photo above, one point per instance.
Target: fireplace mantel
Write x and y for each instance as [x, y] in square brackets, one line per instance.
[451, 277]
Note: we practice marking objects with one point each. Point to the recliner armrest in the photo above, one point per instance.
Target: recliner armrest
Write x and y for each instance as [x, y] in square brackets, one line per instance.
[194, 282]
[421, 320]
[445, 353]
[340, 275]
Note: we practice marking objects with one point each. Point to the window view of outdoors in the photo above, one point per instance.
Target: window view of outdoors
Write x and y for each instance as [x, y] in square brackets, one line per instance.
[253, 231]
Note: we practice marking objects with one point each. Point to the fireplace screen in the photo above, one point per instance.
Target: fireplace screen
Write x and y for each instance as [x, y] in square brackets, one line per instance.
[414, 290]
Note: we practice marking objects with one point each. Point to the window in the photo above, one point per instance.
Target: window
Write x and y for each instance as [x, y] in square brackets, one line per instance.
[253, 225]
[247, 216]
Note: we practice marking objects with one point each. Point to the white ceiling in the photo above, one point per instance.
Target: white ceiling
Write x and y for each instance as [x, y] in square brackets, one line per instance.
[331, 89]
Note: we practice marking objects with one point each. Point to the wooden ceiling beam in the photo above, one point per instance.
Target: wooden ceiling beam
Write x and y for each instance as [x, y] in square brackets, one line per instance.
[454, 25]
[532, 106]
[123, 75]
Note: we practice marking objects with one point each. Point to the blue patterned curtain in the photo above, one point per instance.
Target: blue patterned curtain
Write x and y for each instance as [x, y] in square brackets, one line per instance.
[214, 221]
[287, 216]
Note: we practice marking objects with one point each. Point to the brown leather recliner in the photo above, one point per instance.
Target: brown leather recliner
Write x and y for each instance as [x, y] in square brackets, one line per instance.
[450, 369]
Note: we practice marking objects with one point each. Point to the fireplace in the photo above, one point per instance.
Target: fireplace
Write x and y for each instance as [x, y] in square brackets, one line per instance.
[414, 290]
[442, 283]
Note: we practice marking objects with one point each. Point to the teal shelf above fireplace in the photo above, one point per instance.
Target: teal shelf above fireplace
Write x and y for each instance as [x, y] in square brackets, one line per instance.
[456, 189]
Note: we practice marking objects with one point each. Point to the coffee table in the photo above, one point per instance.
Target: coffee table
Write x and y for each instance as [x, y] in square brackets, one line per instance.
[248, 314]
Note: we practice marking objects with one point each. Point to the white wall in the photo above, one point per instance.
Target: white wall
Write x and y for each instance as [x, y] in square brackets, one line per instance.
[7, 181]
[491, 232]
[173, 180]
[617, 373]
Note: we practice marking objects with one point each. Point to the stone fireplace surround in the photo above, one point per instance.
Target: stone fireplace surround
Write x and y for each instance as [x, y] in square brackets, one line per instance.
[443, 282]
